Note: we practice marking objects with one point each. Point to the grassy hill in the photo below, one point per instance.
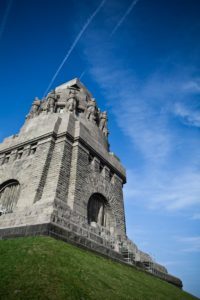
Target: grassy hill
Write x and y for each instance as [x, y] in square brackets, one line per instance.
[45, 268]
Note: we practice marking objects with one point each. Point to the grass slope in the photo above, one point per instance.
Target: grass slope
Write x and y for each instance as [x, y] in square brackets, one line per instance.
[45, 268]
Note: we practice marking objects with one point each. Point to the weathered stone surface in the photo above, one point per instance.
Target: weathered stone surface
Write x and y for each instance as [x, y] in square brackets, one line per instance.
[58, 177]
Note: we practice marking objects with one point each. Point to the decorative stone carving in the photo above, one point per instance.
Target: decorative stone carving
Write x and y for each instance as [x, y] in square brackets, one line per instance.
[51, 101]
[34, 108]
[103, 123]
[43, 106]
[72, 99]
[91, 110]
[82, 99]
[71, 104]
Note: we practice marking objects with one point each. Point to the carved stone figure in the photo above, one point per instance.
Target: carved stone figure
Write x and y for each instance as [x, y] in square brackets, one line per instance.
[34, 108]
[106, 132]
[43, 106]
[103, 120]
[91, 110]
[51, 101]
[71, 104]
[82, 100]
[103, 123]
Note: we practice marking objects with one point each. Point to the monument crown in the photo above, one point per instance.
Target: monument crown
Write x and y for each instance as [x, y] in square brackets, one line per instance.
[71, 97]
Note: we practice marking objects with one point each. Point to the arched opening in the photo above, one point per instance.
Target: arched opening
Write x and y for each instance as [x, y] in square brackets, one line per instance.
[99, 211]
[9, 195]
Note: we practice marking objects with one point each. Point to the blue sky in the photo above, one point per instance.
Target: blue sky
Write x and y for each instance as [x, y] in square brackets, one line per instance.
[140, 59]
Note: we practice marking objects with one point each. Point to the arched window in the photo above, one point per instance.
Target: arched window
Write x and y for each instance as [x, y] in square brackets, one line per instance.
[9, 195]
[99, 211]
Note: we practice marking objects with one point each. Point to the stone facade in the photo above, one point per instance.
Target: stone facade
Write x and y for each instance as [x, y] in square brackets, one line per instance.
[58, 177]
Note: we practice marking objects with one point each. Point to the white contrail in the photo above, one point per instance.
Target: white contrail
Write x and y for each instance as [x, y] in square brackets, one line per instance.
[116, 27]
[124, 17]
[4, 20]
[82, 74]
[85, 26]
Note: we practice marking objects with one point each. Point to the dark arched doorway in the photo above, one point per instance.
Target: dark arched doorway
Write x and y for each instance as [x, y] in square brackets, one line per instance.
[99, 211]
[9, 195]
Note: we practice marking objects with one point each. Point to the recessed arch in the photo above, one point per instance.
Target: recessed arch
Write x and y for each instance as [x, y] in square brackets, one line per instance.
[99, 211]
[9, 195]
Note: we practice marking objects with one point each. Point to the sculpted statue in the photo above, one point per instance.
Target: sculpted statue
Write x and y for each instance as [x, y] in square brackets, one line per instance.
[51, 101]
[71, 104]
[43, 106]
[103, 123]
[82, 99]
[34, 108]
[91, 110]
[106, 132]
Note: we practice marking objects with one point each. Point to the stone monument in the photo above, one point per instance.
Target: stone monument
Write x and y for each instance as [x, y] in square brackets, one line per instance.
[58, 178]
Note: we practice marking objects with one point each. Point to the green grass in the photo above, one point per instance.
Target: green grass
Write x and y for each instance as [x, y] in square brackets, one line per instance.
[45, 268]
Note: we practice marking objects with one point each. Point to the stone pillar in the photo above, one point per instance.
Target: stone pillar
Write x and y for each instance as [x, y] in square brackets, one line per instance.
[1, 159]
[26, 151]
[106, 173]
[78, 174]
[95, 164]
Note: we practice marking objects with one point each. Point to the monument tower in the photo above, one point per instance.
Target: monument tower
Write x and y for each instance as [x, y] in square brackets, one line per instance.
[58, 178]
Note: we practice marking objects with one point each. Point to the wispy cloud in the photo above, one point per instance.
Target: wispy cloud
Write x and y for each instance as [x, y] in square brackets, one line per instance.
[75, 42]
[192, 86]
[128, 11]
[187, 115]
[143, 112]
[150, 112]
[190, 244]
[143, 109]
[5, 17]
[196, 216]
[167, 190]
